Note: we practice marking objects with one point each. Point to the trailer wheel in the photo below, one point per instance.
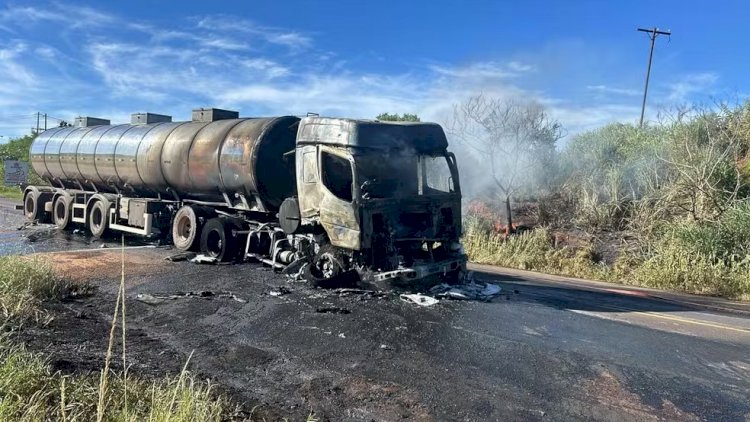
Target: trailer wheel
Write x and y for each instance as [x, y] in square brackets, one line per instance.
[98, 219]
[61, 214]
[186, 229]
[217, 240]
[33, 206]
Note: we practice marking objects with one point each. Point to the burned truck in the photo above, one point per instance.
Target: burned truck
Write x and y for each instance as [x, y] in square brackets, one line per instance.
[318, 195]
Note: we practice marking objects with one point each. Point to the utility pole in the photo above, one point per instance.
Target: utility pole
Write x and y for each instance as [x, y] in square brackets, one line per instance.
[45, 121]
[37, 123]
[652, 34]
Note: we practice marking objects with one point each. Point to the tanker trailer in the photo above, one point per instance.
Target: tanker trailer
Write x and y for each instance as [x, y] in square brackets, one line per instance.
[315, 195]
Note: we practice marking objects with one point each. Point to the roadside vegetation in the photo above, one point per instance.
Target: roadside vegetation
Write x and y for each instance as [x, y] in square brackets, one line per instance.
[30, 390]
[665, 206]
[25, 283]
[16, 149]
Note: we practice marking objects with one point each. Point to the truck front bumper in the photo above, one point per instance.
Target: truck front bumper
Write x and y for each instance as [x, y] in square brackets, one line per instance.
[419, 271]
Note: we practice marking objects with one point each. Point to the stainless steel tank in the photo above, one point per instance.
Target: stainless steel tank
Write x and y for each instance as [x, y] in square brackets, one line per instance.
[198, 160]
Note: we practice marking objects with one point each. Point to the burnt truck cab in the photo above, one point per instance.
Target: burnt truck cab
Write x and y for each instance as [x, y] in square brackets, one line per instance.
[386, 195]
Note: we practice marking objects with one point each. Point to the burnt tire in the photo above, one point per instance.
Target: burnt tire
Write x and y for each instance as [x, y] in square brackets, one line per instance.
[327, 270]
[186, 229]
[61, 212]
[217, 240]
[99, 219]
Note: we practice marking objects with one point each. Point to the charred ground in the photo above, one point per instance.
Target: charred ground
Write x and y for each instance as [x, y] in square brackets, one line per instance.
[353, 356]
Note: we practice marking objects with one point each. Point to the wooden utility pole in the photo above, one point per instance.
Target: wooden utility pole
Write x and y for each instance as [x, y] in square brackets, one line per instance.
[652, 34]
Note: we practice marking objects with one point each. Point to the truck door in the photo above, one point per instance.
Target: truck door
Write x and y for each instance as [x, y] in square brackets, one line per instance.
[338, 213]
[308, 181]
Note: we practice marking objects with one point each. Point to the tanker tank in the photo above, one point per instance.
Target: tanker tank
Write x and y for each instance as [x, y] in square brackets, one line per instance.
[190, 160]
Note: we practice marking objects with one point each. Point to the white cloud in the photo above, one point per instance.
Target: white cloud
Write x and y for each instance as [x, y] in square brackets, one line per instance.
[605, 89]
[13, 71]
[484, 70]
[45, 52]
[230, 62]
[273, 35]
[72, 16]
[521, 67]
[687, 85]
[289, 39]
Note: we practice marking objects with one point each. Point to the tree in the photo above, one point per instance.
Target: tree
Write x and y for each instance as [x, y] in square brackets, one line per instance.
[398, 118]
[514, 138]
[17, 148]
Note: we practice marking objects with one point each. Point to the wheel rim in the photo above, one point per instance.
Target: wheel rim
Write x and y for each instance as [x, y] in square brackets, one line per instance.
[327, 265]
[214, 243]
[184, 229]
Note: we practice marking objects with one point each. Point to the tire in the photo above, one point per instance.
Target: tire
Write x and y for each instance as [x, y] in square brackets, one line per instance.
[33, 206]
[327, 270]
[61, 212]
[217, 240]
[186, 229]
[99, 219]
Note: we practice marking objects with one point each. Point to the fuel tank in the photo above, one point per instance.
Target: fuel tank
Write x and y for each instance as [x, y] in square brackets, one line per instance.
[196, 160]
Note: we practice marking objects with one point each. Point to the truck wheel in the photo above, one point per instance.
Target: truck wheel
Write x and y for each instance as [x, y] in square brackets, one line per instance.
[217, 240]
[61, 212]
[186, 229]
[98, 219]
[33, 206]
[327, 270]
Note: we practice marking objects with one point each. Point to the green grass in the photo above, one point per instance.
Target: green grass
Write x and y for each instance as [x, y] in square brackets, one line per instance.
[30, 390]
[11, 192]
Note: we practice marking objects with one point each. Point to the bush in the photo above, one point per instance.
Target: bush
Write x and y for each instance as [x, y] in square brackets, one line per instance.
[17, 149]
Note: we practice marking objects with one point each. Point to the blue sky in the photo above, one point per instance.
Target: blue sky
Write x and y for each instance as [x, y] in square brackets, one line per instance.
[584, 60]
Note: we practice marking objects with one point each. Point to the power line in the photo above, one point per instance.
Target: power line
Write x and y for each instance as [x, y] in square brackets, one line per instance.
[652, 34]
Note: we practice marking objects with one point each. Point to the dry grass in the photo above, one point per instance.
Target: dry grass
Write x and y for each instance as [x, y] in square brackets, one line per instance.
[27, 282]
[534, 251]
[671, 264]
[30, 390]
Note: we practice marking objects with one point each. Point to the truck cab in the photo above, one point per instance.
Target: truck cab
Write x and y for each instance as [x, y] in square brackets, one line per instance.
[386, 194]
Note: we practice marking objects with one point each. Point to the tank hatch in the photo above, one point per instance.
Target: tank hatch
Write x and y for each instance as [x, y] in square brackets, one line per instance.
[147, 118]
[86, 121]
[213, 114]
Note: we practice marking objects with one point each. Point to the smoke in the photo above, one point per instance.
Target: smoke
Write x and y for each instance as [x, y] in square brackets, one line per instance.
[505, 147]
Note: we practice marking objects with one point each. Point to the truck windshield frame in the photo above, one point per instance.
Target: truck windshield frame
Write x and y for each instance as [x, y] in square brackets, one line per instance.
[399, 174]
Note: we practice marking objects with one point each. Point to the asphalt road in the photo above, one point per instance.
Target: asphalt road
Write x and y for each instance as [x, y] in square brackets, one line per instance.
[549, 349]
